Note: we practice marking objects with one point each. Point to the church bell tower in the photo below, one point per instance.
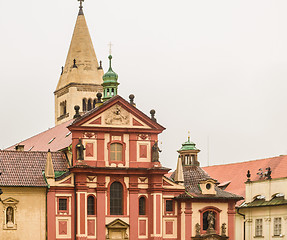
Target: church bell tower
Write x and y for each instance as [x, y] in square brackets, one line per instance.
[81, 77]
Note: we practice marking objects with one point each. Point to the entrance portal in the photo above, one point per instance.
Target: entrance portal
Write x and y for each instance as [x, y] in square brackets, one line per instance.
[117, 230]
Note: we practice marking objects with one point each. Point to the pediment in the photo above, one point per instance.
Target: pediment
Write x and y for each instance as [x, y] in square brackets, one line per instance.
[167, 183]
[117, 113]
[10, 201]
[116, 116]
[118, 223]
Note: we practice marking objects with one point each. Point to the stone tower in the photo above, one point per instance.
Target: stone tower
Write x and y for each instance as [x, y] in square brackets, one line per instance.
[81, 78]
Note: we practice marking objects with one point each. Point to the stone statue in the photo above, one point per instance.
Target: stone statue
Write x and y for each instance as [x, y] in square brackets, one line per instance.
[197, 229]
[155, 152]
[9, 215]
[211, 221]
[80, 150]
[223, 229]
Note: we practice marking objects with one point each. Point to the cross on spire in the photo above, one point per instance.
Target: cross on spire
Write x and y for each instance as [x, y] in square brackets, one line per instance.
[81, 7]
[110, 47]
[81, 3]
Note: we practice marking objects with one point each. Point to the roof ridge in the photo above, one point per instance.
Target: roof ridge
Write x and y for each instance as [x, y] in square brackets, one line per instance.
[14, 151]
[245, 161]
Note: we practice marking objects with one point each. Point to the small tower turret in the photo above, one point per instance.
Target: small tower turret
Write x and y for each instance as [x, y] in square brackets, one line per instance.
[188, 153]
[110, 84]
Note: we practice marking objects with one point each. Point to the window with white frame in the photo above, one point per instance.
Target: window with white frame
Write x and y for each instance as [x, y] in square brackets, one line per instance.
[258, 227]
[277, 226]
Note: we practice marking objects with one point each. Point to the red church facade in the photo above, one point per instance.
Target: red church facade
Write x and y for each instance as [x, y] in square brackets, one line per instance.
[116, 183]
[116, 188]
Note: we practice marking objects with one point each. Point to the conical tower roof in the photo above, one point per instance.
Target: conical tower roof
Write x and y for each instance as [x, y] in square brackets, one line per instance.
[82, 51]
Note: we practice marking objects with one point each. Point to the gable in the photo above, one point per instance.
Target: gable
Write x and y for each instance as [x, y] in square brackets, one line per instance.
[116, 116]
[10, 201]
[168, 184]
[116, 113]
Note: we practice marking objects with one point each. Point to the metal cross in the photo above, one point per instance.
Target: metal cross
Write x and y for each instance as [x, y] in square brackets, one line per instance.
[81, 3]
[110, 47]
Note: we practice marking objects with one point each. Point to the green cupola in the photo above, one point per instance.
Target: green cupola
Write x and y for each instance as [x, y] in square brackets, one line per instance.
[188, 145]
[188, 153]
[110, 84]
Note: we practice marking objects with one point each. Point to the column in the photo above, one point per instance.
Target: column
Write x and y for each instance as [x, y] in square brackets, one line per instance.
[231, 220]
[101, 208]
[188, 220]
[134, 207]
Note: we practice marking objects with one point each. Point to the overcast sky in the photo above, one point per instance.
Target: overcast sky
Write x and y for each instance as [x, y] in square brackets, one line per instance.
[214, 68]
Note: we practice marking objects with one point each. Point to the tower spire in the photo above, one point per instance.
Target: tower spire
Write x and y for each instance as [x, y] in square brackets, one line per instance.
[81, 7]
[81, 73]
[110, 78]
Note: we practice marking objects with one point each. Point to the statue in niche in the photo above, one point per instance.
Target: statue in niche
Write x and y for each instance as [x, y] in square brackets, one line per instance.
[223, 229]
[211, 222]
[80, 150]
[9, 216]
[197, 229]
[155, 152]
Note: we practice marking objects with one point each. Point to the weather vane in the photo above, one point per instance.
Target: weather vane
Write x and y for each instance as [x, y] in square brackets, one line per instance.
[110, 47]
[188, 135]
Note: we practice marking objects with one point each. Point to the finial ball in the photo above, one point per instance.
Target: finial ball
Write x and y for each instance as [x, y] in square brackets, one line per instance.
[132, 97]
[152, 111]
[77, 108]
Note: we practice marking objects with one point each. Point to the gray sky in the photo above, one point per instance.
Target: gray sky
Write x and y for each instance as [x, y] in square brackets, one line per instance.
[214, 68]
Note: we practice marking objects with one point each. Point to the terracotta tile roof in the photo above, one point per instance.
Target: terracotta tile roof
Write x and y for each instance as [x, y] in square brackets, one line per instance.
[55, 139]
[236, 172]
[192, 176]
[25, 168]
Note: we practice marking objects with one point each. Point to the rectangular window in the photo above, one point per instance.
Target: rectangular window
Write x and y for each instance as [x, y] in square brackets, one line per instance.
[169, 205]
[258, 227]
[277, 226]
[62, 204]
[116, 152]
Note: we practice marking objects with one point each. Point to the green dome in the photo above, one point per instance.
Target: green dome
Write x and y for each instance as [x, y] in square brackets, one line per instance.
[110, 76]
[188, 145]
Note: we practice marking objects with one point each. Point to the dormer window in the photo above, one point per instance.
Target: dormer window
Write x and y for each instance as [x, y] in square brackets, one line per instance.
[259, 197]
[208, 186]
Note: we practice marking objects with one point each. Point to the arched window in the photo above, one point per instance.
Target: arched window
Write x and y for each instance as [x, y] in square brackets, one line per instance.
[142, 206]
[91, 205]
[116, 199]
[89, 104]
[94, 103]
[209, 216]
[116, 152]
[84, 105]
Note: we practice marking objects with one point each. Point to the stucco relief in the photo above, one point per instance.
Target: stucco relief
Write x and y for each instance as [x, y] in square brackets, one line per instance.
[117, 116]
[144, 137]
[89, 135]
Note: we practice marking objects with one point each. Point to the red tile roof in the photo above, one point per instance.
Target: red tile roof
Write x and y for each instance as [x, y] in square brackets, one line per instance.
[236, 172]
[54, 139]
[23, 169]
